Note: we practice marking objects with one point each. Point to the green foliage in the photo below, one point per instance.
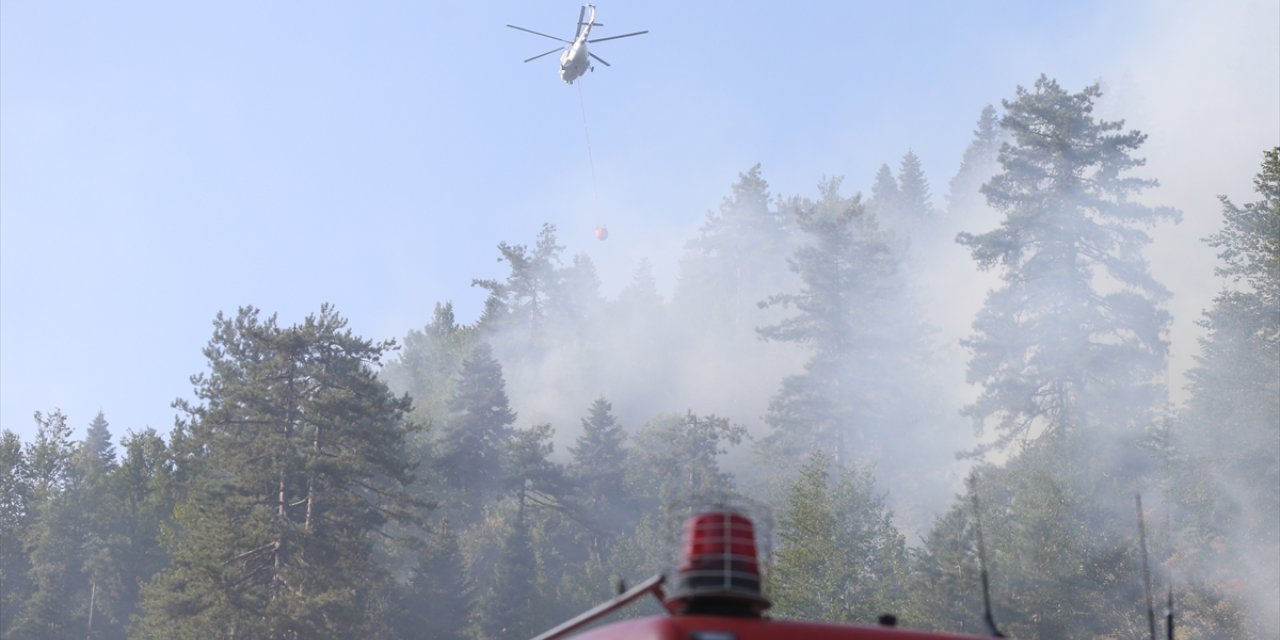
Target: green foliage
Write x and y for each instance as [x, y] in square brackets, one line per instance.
[1075, 337]
[886, 198]
[439, 599]
[722, 274]
[509, 609]
[520, 302]
[598, 471]
[843, 314]
[474, 440]
[15, 517]
[978, 164]
[914, 197]
[840, 558]
[283, 507]
[1225, 460]
[945, 591]
[679, 457]
[296, 453]
[429, 363]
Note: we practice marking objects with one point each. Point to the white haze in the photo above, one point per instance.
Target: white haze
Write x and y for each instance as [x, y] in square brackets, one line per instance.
[1207, 94]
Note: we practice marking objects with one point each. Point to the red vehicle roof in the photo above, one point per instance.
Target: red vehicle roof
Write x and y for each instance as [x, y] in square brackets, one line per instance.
[697, 627]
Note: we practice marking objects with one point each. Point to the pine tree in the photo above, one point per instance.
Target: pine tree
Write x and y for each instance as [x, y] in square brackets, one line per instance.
[599, 468]
[428, 364]
[49, 458]
[15, 518]
[679, 457]
[57, 603]
[143, 497]
[885, 201]
[842, 316]
[439, 601]
[520, 302]
[915, 200]
[1075, 338]
[99, 511]
[945, 585]
[295, 452]
[580, 303]
[977, 166]
[98, 441]
[509, 608]
[474, 440]
[1227, 438]
[736, 258]
[840, 558]
[531, 475]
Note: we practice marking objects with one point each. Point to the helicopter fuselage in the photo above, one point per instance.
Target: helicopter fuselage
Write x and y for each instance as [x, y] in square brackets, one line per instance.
[574, 61]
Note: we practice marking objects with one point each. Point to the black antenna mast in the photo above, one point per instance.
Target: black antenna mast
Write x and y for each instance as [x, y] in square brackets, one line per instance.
[1146, 570]
[982, 560]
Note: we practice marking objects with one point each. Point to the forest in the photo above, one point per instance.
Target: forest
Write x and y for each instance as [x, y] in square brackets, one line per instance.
[491, 478]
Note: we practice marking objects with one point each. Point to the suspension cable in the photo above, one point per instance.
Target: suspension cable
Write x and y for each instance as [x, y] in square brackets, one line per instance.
[595, 191]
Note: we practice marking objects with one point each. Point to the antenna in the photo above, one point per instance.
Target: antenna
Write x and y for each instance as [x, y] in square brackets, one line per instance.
[982, 560]
[1146, 570]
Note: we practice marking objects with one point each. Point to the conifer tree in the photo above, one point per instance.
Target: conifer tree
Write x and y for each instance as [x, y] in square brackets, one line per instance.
[844, 315]
[599, 466]
[439, 601]
[1075, 338]
[143, 498]
[474, 440]
[428, 364]
[840, 558]
[15, 518]
[680, 456]
[520, 303]
[295, 455]
[99, 513]
[1226, 442]
[977, 165]
[98, 441]
[915, 200]
[580, 301]
[57, 602]
[531, 475]
[885, 198]
[736, 258]
[49, 457]
[509, 608]
[945, 583]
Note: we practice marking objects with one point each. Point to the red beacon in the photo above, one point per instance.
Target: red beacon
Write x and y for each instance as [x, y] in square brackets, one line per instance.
[716, 595]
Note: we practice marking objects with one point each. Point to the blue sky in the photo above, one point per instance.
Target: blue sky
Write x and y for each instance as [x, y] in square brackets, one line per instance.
[162, 162]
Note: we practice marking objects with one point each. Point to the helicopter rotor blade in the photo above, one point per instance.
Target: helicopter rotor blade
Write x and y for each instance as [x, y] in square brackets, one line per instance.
[599, 59]
[538, 34]
[555, 50]
[625, 35]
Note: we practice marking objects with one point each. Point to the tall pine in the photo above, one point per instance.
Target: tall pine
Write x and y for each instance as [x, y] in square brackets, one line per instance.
[295, 451]
[1074, 339]
[842, 314]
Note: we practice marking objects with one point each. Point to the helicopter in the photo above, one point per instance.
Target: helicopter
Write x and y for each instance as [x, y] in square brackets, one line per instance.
[573, 62]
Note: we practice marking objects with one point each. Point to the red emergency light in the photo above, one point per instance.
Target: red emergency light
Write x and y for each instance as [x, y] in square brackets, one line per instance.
[719, 569]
